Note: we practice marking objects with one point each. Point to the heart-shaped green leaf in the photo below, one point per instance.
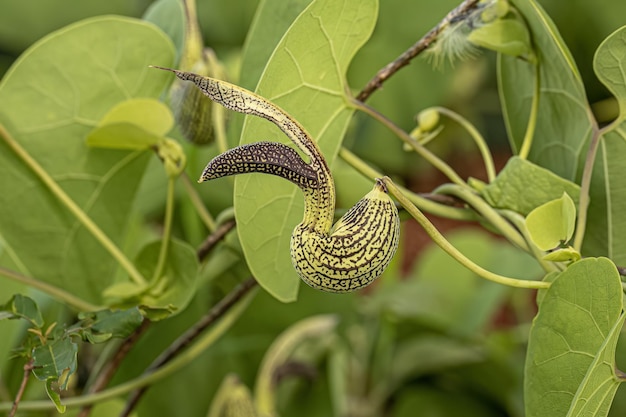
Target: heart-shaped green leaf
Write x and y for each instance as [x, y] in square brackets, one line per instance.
[52, 97]
[552, 223]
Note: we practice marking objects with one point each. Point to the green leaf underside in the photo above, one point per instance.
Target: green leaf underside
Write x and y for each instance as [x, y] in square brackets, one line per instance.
[50, 99]
[563, 123]
[304, 76]
[570, 360]
[552, 223]
[522, 186]
[606, 224]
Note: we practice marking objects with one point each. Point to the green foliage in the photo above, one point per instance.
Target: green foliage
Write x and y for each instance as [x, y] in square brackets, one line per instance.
[97, 214]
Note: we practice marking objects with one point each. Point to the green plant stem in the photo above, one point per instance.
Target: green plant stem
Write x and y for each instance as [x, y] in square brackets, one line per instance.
[433, 159]
[28, 367]
[54, 292]
[532, 118]
[478, 139]
[487, 212]
[204, 214]
[443, 243]
[167, 229]
[585, 185]
[421, 202]
[214, 238]
[187, 357]
[82, 217]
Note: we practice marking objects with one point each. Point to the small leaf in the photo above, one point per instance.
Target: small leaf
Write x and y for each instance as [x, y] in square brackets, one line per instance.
[552, 224]
[568, 254]
[21, 306]
[571, 349]
[522, 186]
[508, 36]
[54, 363]
[149, 114]
[122, 136]
[100, 326]
[54, 359]
[54, 395]
[138, 123]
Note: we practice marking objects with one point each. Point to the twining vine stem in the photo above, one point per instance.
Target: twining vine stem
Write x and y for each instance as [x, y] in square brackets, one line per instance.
[28, 367]
[433, 159]
[443, 243]
[423, 203]
[421, 45]
[585, 184]
[534, 112]
[487, 212]
[476, 136]
[218, 234]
